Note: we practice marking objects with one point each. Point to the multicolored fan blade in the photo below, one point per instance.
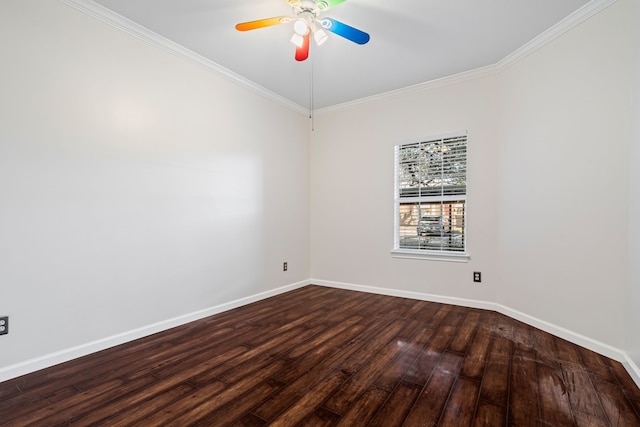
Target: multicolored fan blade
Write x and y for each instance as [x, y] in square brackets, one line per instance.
[321, 4]
[344, 30]
[261, 23]
[328, 4]
[302, 52]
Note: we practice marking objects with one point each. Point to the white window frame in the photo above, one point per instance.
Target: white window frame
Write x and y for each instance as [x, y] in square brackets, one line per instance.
[439, 255]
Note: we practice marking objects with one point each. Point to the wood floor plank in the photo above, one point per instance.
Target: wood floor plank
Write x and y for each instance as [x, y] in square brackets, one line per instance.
[361, 412]
[327, 334]
[488, 414]
[77, 406]
[438, 318]
[168, 362]
[555, 408]
[199, 405]
[168, 413]
[291, 393]
[523, 337]
[495, 381]
[424, 312]
[250, 420]
[587, 420]
[322, 417]
[407, 356]
[320, 356]
[376, 340]
[475, 359]
[545, 348]
[615, 404]
[18, 406]
[524, 407]
[130, 412]
[362, 379]
[276, 345]
[325, 349]
[233, 411]
[596, 365]
[421, 370]
[309, 401]
[428, 407]
[182, 372]
[568, 353]
[395, 409]
[461, 406]
[465, 333]
[582, 394]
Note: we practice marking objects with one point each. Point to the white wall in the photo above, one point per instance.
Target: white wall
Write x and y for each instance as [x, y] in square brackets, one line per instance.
[134, 186]
[633, 325]
[565, 126]
[551, 245]
[352, 169]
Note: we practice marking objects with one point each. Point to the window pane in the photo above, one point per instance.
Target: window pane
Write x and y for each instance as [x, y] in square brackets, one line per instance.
[433, 168]
[435, 226]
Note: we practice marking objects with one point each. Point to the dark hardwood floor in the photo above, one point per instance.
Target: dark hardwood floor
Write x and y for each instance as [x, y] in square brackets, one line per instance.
[321, 357]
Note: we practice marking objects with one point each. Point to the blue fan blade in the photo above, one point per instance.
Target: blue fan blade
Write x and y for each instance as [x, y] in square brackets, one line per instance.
[344, 30]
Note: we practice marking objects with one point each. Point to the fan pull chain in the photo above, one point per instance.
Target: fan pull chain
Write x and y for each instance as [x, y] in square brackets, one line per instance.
[311, 116]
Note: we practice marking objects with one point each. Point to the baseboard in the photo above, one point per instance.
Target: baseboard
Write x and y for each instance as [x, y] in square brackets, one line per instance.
[23, 368]
[46, 361]
[632, 369]
[574, 337]
[581, 340]
[486, 305]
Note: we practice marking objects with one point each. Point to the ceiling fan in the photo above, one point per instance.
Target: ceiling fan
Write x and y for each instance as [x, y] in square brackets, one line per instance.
[306, 23]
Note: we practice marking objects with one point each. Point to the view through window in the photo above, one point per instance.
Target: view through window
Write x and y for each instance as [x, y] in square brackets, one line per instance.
[431, 194]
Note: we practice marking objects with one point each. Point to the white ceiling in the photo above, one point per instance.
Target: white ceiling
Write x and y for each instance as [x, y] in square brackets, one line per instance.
[412, 41]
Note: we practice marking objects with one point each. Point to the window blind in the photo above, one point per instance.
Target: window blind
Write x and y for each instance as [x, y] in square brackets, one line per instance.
[431, 189]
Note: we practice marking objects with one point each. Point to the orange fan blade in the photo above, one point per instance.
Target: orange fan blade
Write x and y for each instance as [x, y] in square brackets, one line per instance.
[261, 23]
[302, 52]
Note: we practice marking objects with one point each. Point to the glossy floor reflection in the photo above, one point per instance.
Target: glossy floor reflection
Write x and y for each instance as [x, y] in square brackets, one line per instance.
[321, 357]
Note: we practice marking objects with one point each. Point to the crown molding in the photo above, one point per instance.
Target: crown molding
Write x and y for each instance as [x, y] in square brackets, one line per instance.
[120, 22]
[578, 17]
[570, 22]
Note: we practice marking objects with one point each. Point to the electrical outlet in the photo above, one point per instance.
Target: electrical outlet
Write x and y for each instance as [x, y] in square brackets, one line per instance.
[4, 325]
[477, 276]
[284, 266]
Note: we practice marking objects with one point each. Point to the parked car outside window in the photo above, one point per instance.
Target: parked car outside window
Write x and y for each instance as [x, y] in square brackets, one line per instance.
[430, 225]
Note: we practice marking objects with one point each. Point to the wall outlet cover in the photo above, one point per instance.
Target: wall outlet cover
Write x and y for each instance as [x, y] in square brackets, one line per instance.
[4, 325]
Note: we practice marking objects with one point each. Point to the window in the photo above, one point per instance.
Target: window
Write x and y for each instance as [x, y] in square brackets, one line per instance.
[431, 198]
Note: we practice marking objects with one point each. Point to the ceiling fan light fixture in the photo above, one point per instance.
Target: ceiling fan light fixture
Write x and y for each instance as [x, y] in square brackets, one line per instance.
[297, 40]
[320, 36]
[301, 26]
[306, 23]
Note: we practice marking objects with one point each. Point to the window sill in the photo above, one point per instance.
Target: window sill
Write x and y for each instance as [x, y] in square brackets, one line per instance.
[430, 255]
